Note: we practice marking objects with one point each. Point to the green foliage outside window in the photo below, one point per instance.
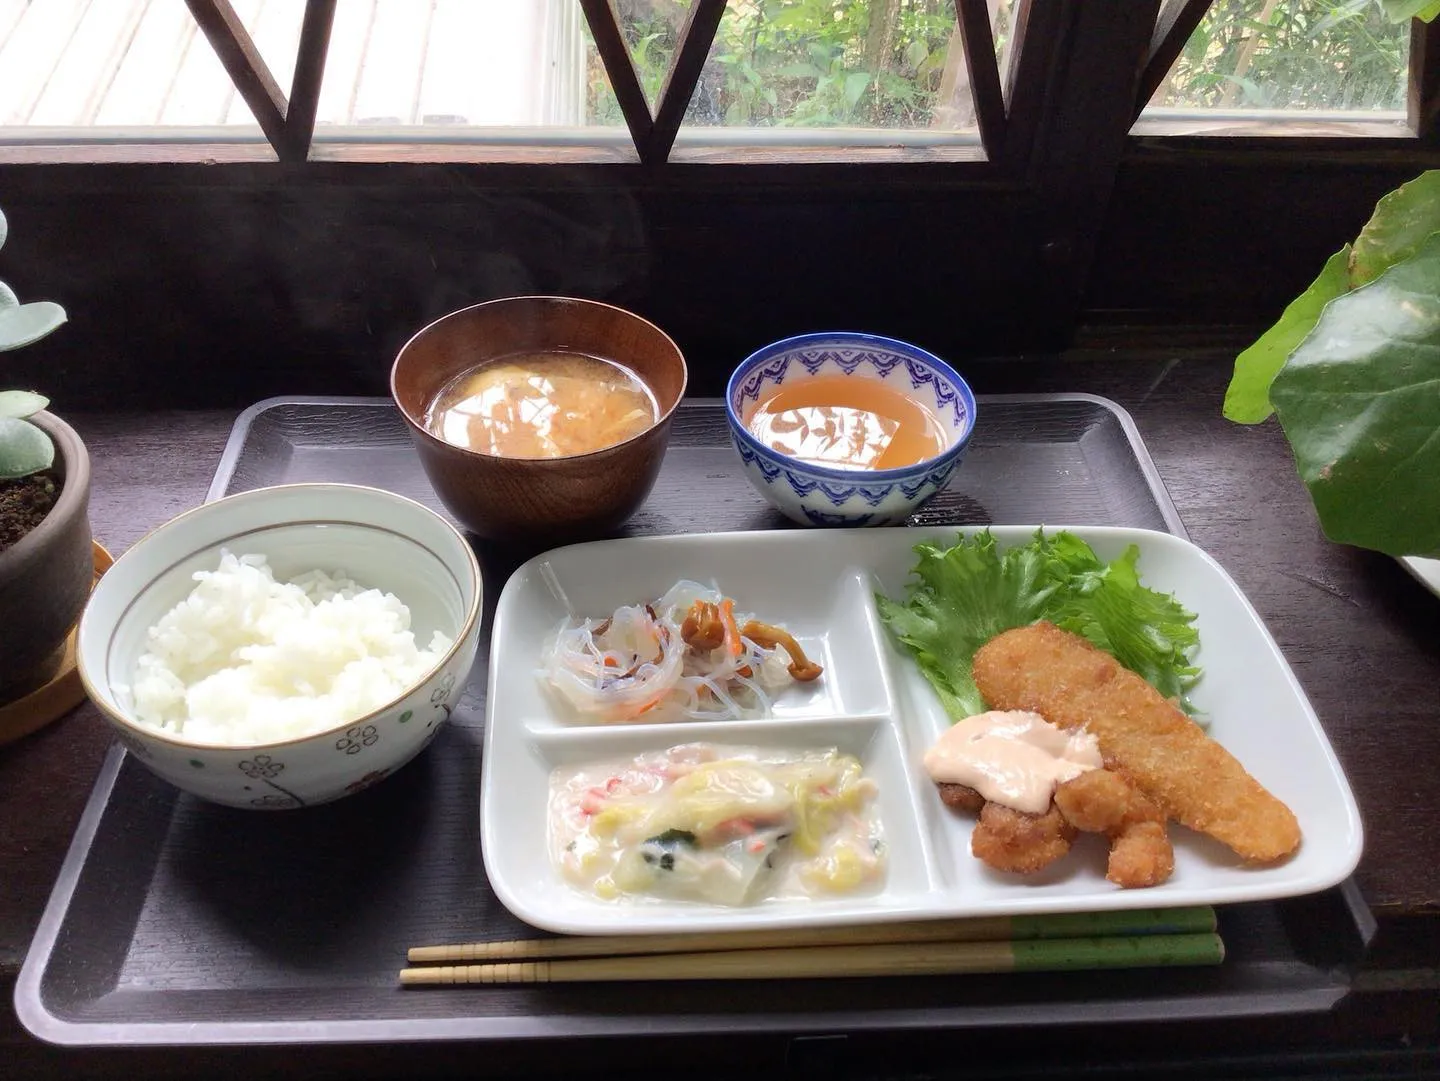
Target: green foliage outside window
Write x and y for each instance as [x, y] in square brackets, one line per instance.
[1292, 54]
[801, 63]
[899, 63]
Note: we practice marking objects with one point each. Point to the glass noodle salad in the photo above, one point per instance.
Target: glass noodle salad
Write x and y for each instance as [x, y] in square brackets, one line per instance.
[687, 656]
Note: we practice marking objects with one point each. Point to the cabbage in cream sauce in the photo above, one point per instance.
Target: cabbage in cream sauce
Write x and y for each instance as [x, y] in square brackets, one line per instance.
[723, 825]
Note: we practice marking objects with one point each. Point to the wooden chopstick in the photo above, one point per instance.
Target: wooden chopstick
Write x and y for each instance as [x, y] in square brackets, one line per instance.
[830, 962]
[1197, 919]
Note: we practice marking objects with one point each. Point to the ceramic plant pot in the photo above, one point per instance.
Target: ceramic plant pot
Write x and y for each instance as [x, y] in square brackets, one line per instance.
[46, 576]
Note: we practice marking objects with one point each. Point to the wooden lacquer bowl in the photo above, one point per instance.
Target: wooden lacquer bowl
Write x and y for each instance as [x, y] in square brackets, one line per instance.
[538, 500]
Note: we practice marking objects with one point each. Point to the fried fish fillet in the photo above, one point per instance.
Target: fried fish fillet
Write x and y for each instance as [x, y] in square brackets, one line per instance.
[1196, 781]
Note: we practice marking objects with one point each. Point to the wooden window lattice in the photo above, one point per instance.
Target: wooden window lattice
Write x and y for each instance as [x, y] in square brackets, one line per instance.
[289, 121]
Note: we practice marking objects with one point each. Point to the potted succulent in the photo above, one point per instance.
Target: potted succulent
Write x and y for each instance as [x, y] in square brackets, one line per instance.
[46, 560]
[1352, 369]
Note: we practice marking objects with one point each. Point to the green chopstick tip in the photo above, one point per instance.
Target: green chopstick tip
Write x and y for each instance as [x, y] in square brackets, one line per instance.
[1193, 919]
[1137, 951]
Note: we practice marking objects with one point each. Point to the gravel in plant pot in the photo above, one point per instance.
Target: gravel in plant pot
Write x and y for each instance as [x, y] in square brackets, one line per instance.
[46, 560]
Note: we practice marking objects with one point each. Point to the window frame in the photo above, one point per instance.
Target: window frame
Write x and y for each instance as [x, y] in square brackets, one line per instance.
[1045, 27]
[1020, 229]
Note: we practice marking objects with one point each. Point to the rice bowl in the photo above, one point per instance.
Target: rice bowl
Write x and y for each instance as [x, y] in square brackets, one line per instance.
[287, 732]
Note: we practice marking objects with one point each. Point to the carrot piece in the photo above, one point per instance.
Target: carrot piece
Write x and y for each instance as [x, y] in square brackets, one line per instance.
[732, 631]
[648, 706]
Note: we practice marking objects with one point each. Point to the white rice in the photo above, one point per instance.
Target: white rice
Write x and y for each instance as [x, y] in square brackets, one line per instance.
[245, 659]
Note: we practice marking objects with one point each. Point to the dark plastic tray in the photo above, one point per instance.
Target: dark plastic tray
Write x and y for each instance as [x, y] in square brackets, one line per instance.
[175, 921]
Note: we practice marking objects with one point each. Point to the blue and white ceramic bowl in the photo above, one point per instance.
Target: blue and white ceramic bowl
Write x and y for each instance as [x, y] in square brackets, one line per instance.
[823, 495]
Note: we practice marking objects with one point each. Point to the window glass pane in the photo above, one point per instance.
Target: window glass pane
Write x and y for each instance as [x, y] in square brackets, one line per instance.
[1317, 55]
[1001, 17]
[392, 63]
[835, 63]
[888, 64]
[454, 63]
[652, 32]
[65, 63]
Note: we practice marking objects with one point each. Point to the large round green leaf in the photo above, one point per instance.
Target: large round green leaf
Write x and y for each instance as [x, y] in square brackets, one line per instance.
[1359, 400]
[1402, 221]
[1247, 399]
[24, 449]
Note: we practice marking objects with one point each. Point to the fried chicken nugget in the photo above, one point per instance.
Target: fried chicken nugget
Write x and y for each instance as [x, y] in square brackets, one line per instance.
[961, 797]
[1098, 801]
[1010, 840]
[1140, 856]
[1105, 801]
[1194, 780]
[1102, 801]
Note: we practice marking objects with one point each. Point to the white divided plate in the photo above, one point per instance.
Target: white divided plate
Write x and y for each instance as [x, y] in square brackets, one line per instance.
[1426, 571]
[873, 702]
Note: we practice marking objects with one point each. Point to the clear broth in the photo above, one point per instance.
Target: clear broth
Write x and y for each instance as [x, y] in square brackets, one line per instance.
[542, 405]
[847, 422]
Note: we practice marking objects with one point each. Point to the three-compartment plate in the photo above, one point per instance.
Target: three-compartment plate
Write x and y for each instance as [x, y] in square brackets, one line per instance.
[1426, 571]
[872, 702]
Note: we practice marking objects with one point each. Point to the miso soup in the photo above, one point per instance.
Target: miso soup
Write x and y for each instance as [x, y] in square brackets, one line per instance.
[542, 405]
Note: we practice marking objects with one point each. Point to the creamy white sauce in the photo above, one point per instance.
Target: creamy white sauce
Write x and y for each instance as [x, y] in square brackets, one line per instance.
[724, 825]
[1013, 757]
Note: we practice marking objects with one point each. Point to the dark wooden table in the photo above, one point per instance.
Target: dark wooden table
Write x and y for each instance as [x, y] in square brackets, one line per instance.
[1361, 634]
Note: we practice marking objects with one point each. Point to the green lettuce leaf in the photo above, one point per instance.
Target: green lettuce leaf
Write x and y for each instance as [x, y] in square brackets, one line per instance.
[1247, 399]
[962, 596]
[1359, 400]
[1150, 633]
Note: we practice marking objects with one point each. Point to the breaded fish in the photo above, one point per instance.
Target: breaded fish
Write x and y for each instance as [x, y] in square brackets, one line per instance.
[1196, 781]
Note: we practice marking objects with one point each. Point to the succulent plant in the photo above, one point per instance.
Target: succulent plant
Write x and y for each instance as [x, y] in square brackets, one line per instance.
[24, 448]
